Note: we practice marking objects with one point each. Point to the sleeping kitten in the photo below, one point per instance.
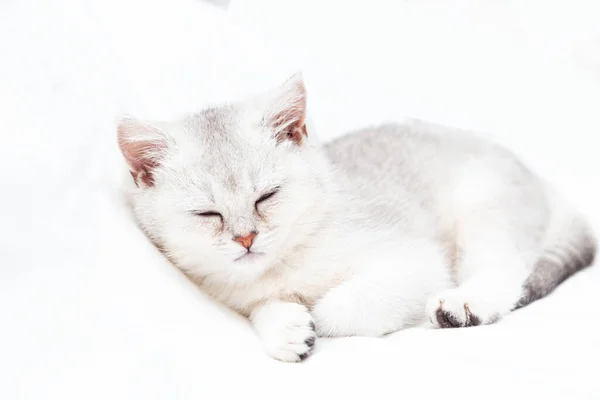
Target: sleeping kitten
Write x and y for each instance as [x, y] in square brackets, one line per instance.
[383, 229]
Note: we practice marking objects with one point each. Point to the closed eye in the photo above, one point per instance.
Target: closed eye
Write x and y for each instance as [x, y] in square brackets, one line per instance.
[266, 196]
[207, 214]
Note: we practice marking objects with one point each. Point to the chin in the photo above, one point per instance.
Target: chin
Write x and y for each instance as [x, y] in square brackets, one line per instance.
[250, 257]
[250, 266]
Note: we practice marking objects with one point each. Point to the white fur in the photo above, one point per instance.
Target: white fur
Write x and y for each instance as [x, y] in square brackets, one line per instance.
[286, 329]
[381, 230]
[387, 296]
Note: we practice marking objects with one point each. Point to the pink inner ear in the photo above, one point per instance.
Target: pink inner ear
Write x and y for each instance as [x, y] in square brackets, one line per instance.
[142, 147]
[290, 111]
[290, 128]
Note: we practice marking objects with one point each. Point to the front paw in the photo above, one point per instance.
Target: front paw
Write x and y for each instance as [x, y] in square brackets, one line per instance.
[287, 330]
[457, 308]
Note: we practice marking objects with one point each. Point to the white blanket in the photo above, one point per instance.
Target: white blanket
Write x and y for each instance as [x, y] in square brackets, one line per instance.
[91, 311]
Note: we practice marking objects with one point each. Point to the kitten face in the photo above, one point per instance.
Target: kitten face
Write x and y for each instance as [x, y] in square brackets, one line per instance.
[227, 191]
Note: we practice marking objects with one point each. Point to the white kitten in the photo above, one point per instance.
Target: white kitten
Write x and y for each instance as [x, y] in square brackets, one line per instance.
[380, 230]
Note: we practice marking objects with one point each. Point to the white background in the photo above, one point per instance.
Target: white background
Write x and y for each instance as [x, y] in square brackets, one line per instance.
[89, 310]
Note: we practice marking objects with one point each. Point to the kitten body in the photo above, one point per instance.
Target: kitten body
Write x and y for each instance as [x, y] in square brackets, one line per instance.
[383, 229]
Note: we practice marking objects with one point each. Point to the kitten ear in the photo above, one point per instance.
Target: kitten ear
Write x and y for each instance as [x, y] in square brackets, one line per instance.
[286, 110]
[143, 146]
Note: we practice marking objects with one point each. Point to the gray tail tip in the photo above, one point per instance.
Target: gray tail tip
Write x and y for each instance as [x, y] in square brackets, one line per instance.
[547, 275]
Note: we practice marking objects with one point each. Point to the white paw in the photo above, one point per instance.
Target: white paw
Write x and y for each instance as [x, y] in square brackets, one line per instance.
[458, 308]
[287, 330]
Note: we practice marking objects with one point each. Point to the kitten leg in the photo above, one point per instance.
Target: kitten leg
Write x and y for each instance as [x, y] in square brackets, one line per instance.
[490, 279]
[387, 295]
[499, 219]
[286, 330]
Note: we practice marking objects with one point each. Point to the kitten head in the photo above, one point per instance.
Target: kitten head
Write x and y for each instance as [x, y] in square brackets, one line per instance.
[228, 191]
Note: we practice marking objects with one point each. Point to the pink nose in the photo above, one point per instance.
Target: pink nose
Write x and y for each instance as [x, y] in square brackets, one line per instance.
[246, 240]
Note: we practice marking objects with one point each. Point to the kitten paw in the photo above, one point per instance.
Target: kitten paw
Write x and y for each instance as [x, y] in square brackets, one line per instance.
[455, 308]
[287, 331]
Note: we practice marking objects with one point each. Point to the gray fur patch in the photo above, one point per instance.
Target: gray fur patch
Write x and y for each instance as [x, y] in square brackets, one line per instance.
[556, 266]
